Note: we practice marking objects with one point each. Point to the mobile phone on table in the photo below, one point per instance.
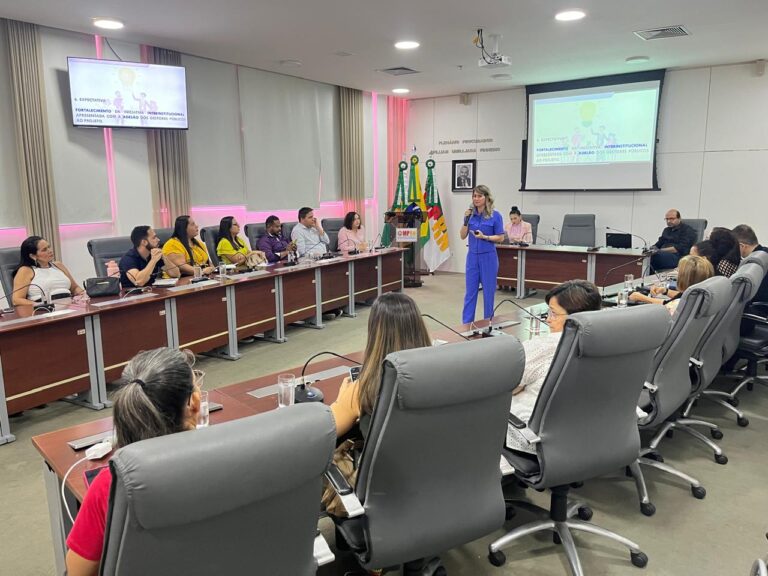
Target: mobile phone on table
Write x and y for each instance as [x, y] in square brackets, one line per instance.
[354, 372]
[91, 473]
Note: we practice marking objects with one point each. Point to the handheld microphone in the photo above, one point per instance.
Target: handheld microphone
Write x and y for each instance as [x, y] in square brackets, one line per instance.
[303, 393]
[559, 232]
[444, 325]
[645, 242]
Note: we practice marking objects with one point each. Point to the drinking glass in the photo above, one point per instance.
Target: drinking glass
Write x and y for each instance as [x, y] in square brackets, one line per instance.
[622, 298]
[198, 272]
[286, 390]
[203, 416]
[629, 280]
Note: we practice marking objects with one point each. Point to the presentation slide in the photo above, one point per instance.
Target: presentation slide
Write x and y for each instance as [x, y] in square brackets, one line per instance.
[109, 93]
[596, 138]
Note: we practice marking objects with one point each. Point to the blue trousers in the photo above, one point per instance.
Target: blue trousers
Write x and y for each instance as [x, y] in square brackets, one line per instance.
[481, 269]
[663, 260]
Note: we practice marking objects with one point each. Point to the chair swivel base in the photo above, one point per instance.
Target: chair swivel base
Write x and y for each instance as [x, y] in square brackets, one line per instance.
[686, 425]
[562, 523]
[652, 459]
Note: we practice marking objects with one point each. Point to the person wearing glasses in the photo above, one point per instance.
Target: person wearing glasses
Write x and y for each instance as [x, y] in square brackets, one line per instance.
[567, 298]
[674, 243]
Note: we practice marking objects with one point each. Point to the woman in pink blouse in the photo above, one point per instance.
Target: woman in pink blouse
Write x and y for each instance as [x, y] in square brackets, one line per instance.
[352, 235]
[518, 230]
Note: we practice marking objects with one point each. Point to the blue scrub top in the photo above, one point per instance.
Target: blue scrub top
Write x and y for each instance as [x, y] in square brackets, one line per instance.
[488, 226]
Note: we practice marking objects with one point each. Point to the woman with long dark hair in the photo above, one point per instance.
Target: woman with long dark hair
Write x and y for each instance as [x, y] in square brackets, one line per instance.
[232, 249]
[183, 251]
[352, 235]
[518, 230]
[44, 278]
[159, 398]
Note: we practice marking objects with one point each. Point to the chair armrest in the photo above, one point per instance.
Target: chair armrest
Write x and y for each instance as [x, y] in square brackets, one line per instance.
[755, 318]
[322, 552]
[346, 493]
[525, 432]
[650, 387]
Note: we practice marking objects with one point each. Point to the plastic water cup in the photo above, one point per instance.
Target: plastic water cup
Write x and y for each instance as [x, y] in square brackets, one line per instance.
[622, 298]
[203, 417]
[286, 390]
[534, 326]
[198, 272]
[629, 280]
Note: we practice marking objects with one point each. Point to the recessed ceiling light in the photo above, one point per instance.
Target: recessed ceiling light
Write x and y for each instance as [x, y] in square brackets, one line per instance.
[637, 59]
[406, 45]
[569, 15]
[108, 23]
[401, 90]
[290, 63]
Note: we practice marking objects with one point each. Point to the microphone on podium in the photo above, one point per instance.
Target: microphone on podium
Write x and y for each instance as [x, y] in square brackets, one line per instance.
[645, 242]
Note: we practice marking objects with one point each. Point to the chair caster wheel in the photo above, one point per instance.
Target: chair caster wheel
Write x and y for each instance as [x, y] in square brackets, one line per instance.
[669, 433]
[732, 401]
[556, 538]
[721, 459]
[585, 513]
[655, 456]
[716, 433]
[497, 558]
[698, 492]
[639, 559]
[743, 422]
[647, 508]
[509, 512]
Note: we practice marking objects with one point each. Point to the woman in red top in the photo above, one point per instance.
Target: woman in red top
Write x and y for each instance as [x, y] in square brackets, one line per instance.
[159, 398]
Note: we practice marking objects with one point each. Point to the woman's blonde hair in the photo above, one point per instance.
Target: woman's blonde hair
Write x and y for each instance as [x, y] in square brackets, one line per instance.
[692, 270]
[485, 191]
[395, 324]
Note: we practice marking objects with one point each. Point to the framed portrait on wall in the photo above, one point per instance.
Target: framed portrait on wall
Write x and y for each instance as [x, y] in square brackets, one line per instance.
[464, 175]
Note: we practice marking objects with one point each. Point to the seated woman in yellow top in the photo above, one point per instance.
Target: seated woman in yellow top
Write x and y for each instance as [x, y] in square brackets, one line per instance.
[394, 324]
[231, 248]
[184, 251]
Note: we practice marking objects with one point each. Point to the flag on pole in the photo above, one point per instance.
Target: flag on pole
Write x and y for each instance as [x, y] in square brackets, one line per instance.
[398, 205]
[416, 196]
[436, 248]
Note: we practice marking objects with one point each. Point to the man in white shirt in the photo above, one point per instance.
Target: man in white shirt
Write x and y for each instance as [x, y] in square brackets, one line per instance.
[309, 236]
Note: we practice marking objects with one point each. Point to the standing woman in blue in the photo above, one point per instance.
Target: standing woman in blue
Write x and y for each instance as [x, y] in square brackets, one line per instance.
[485, 227]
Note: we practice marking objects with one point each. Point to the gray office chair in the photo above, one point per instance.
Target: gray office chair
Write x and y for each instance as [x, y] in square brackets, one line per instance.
[578, 230]
[332, 227]
[236, 498]
[164, 234]
[533, 220]
[699, 225]
[428, 478]
[210, 235]
[720, 342]
[757, 257]
[105, 249]
[9, 259]
[668, 385]
[584, 423]
[288, 228]
[253, 232]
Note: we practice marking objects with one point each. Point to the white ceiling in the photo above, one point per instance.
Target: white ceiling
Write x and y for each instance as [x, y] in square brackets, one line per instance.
[260, 33]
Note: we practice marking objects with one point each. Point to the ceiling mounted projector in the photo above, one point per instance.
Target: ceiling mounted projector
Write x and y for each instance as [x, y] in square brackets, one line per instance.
[494, 58]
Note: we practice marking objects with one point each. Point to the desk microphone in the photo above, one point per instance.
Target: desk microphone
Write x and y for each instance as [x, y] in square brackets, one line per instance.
[350, 252]
[303, 393]
[556, 229]
[635, 261]
[444, 325]
[42, 305]
[645, 242]
[377, 239]
[525, 311]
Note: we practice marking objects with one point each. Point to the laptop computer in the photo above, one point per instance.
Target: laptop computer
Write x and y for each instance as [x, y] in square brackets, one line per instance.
[614, 240]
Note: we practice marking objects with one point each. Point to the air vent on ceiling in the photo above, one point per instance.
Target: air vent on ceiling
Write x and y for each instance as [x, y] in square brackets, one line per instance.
[399, 71]
[663, 32]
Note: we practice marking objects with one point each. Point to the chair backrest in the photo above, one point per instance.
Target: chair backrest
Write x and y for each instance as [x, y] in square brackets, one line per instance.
[757, 257]
[105, 249]
[578, 230]
[332, 227]
[9, 259]
[288, 228]
[429, 475]
[669, 373]
[585, 414]
[164, 234]
[533, 220]
[721, 337]
[251, 485]
[210, 235]
[253, 232]
[699, 225]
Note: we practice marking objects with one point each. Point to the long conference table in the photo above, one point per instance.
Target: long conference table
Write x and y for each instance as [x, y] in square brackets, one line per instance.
[545, 266]
[240, 400]
[74, 351]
